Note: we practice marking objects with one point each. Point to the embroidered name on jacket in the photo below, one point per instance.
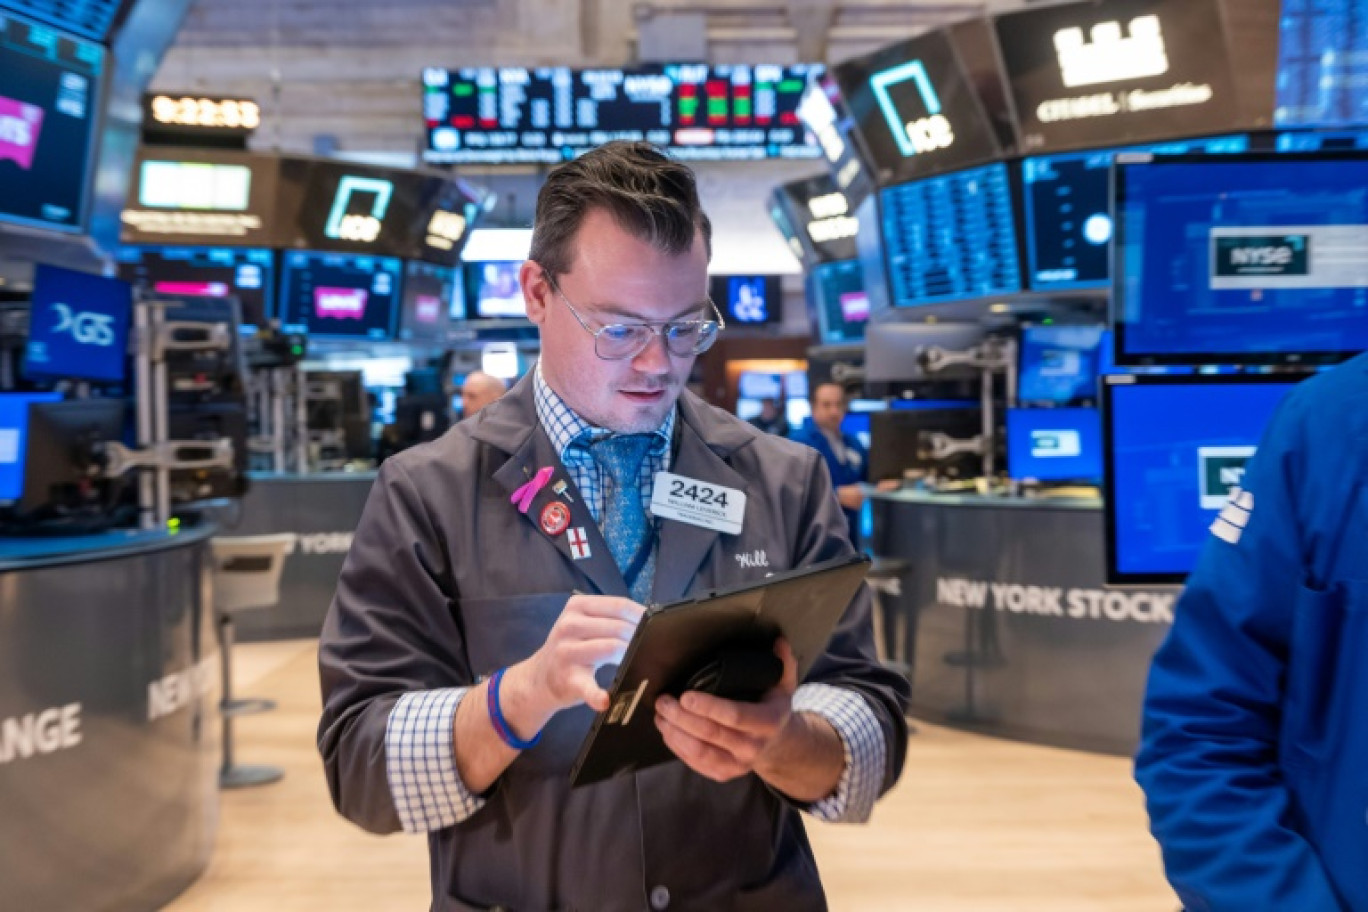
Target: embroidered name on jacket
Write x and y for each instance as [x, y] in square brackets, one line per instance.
[753, 560]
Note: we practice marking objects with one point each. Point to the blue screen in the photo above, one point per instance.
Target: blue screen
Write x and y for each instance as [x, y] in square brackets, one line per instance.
[1230, 262]
[206, 272]
[747, 299]
[339, 294]
[1059, 364]
[1068, 211]
[1059, 444]
[14, 440]
[840, 300]
[1322, 64]
[78, 327]
[1316, 141]
[951, 238]
[1177, 450]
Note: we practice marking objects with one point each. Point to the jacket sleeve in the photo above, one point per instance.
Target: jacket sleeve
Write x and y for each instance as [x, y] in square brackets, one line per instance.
[390, 631]
[1208, 759]
[850, 662]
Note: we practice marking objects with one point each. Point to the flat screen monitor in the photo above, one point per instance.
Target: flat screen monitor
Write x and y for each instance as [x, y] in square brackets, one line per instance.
[899, 444]
[201, 198]
[1091, 74]
[14, 421]
[916, 111]
[206, 272]
[816, 218]
[78, 328]
[339, 294]
[545, 115]
[1255, 259]
[1322, 141]
[748, 300]
[1059, 365]
[50, 97]
[59, 451]
[1068, 213]
[839, 299]
[1322, 64]
[430, 298]
[951, 238]
[1054, 445]
[1174, 448]
[493, 290]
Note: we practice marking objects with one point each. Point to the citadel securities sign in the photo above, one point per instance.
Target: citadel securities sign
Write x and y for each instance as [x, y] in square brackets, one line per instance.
[1087, 74]
[1115, 606]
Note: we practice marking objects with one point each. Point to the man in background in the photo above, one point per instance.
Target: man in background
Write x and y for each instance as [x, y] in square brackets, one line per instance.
[844, 455]
[479, 390]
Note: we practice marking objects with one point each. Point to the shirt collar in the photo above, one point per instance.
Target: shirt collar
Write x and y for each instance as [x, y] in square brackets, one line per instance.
[564, 427]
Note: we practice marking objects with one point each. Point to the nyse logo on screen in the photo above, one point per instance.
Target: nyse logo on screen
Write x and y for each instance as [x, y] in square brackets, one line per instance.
[20, 125]
[1222, 470]
[927, 129]
[1111, 56]
[1060, 444]
[85, 327]
[362, 227]
[1263, 255]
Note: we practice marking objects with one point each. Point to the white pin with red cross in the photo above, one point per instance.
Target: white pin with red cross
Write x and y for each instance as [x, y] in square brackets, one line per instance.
[579, 543]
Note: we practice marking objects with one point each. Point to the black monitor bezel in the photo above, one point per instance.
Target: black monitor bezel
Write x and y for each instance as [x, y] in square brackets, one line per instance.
[1112, 573]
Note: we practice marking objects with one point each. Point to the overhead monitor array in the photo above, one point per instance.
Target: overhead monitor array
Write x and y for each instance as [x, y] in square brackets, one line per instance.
[513, 115]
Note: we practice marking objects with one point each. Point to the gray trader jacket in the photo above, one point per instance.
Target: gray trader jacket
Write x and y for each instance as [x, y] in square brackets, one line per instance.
[446, 581]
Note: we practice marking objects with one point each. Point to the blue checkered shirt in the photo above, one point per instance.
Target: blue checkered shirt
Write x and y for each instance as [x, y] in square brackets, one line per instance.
[420, 754]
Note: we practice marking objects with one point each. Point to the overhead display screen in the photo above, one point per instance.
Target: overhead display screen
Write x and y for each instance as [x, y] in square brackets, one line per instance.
[825, 114]
[347, 207]
[205, 272]
[821, 217]
[1256, 259]
[1101, 74]
[1068, 213]
[430, 301]
[514, 115]
[951, 238]
[49, 105]
[336, 294]
[915, 111]
[1322, 64]
[1176, 450]
[837, 294]
[202, 196]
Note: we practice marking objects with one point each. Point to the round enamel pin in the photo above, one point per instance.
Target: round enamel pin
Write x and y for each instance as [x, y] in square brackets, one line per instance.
[555, 518]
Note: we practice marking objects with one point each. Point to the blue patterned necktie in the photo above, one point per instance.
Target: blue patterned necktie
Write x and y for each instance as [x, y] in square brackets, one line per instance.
[626, 528]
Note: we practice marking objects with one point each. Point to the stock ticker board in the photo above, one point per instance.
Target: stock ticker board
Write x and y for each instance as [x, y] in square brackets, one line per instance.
[515, 115]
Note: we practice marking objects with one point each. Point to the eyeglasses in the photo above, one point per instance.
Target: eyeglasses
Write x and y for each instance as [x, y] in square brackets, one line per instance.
[621, 341]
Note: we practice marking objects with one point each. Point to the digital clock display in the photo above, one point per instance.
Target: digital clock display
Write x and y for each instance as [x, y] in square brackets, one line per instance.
[204, 113]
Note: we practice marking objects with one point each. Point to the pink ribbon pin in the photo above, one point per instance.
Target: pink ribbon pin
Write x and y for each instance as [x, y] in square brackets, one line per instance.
[523, 496]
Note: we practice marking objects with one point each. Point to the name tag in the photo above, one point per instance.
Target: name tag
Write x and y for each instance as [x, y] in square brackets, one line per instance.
[697, 503]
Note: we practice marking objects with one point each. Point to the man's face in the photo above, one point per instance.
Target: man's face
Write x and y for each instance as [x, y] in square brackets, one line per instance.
[616, 278]
[476, 396]
[828, 408]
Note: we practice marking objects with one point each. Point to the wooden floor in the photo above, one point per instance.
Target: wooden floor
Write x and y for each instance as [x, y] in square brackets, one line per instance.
[976, 824]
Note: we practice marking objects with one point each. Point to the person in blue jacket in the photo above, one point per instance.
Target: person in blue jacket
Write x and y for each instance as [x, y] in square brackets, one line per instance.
[1254, 752]
[844, 455]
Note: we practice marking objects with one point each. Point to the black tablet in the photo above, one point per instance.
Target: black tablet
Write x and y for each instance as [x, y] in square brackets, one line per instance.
[679, 643]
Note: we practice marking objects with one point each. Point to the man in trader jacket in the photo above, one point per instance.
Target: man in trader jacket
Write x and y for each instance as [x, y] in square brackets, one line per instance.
[1254, 757]
[462, 667]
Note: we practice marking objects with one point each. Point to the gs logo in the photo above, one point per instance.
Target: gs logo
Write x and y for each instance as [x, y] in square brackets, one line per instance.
[86, 328]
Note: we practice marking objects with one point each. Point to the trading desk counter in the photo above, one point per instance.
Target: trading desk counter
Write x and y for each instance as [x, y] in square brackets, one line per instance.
[1010, 628]
[323, 509]
[109, 735]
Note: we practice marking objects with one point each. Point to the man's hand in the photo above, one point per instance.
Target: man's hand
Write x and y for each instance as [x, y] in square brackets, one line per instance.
[851, 496]
[722, 739]
[591, 632]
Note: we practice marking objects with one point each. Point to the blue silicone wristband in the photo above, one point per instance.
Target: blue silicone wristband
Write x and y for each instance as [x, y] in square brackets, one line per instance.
[496, 717]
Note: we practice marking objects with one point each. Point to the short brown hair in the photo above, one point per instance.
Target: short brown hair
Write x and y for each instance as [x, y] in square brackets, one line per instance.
[649, 195]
